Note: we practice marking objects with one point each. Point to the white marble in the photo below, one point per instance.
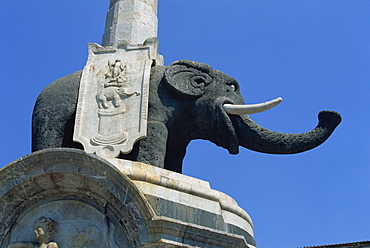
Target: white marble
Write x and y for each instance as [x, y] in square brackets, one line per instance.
[114, 89]
[74, 228]
[114, 204]
[130, 20]
[185, 190]
[113, 97]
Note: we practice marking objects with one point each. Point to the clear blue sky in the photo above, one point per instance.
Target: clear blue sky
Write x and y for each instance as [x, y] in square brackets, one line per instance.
[313, 53]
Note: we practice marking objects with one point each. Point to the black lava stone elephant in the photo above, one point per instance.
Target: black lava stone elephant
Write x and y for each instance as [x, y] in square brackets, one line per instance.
[187, 101]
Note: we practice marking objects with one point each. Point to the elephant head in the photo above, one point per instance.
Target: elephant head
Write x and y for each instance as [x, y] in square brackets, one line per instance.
[187, 101]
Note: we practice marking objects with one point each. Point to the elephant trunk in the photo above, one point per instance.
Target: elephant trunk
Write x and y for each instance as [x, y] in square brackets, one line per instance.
[257, 138]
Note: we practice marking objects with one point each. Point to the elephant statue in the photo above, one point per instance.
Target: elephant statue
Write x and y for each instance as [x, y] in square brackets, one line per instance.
[187, 101]
[114, 94]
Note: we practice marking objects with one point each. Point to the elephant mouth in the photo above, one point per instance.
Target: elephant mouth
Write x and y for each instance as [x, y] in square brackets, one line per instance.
[228, 110]
[227, 137]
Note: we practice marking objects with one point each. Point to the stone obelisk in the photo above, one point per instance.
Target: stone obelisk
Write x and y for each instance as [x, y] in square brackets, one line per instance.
[133, 21]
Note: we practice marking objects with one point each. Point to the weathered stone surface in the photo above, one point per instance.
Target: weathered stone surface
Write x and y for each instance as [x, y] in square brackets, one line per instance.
[186, 199]
[44, 231]
[115, 203]
[185, 103]
[112, 106]
[72, 189]
[131, 20]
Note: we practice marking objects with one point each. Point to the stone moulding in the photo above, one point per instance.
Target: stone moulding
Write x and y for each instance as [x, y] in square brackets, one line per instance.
[172, 180]
[144, 206]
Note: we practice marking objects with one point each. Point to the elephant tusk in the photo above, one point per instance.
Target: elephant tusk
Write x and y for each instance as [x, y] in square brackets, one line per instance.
[251, 108]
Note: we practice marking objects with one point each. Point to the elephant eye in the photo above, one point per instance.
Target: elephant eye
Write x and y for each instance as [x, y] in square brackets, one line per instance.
[232, 86]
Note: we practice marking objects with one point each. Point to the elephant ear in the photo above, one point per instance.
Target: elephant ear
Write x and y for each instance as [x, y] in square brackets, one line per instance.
[188, 77]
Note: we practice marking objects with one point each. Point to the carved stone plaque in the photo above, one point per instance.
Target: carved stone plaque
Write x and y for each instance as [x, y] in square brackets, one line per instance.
[113, 97]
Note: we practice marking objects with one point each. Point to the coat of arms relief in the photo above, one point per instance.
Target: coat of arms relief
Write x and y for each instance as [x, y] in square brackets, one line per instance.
[113, 97]
[111, 107]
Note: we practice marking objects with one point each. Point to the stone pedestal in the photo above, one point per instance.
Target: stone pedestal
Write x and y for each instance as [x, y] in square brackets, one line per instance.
[115, 203]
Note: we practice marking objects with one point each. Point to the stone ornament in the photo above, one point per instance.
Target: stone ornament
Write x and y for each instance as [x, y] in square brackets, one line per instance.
[113, 88]
[110, 105]
[114, 203]
[188, 100]
[45, 228]
[113, 97]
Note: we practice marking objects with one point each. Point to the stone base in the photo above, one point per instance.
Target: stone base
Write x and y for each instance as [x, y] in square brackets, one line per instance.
[115, 203]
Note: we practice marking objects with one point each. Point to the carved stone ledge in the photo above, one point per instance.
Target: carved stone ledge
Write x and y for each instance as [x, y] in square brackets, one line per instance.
[115, 204]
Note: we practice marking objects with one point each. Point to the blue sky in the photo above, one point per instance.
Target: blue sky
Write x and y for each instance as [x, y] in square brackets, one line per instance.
[313, 53]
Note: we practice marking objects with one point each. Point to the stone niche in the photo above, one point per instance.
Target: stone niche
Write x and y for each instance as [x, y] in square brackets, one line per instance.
[117, 203]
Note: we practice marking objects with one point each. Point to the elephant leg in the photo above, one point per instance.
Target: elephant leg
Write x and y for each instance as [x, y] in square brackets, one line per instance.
[104, 102]
[100, 104]
[116, 100]
[52, 130]
[176, 149]
[48, 129]
[152, 149]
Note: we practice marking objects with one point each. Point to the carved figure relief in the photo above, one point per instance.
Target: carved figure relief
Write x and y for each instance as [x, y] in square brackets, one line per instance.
[112, 89]
[110, 107]
[45, 228]
[79, 226]
[116, 74]
[88, 238]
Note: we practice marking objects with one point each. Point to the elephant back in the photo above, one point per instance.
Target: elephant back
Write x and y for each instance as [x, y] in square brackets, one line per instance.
[54, 113]
[62, 91]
